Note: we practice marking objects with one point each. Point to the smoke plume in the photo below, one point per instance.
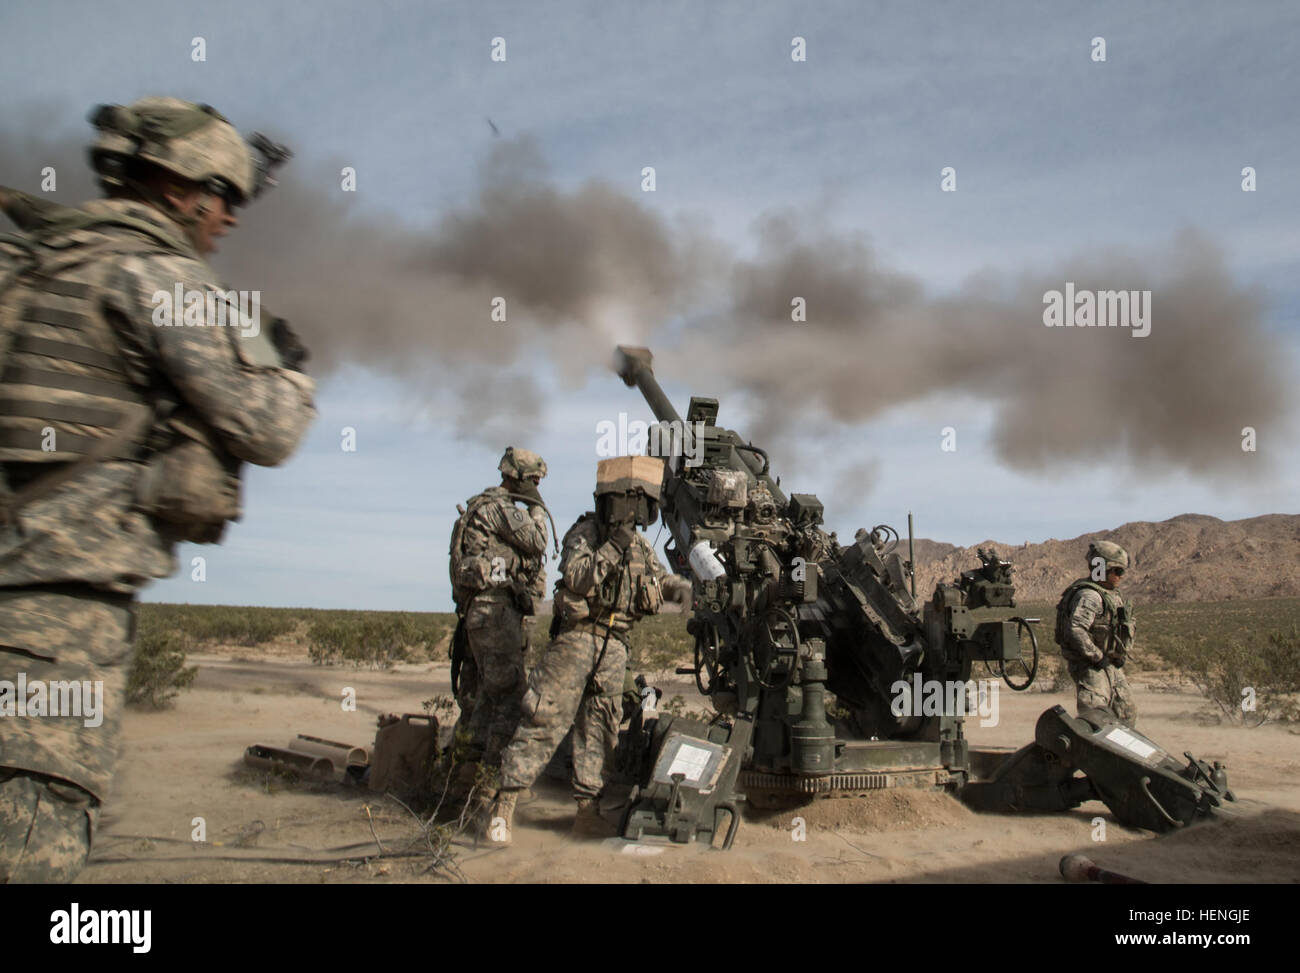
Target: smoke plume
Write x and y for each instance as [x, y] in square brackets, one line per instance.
[580, 271]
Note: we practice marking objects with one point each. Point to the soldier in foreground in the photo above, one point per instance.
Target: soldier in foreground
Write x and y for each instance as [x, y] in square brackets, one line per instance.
[609, 578]
[498, 573]
[1095, 632]
[123, 430]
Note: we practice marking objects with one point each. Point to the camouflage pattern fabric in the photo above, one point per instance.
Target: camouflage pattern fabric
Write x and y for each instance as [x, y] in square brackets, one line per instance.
[597, 580]
[1095, 652]
[501, 558]
[1104, 690]
[49, 637]
[75, 556]
[497, 641]
[501, 547]
[45, 828]
[569, 689]
[601, 593]
[89, 530]
[1092, 631]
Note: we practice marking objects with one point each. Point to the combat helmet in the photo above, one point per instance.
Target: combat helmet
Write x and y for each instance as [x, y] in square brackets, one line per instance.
[1110, 552]
[191, 140]
[518, 464]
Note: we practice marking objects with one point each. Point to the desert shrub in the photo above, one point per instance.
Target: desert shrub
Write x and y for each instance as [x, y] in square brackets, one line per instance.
[1252, 679]
[677, 706]
[158, 672]
[377, 640]
[242, 626]
[228, 624]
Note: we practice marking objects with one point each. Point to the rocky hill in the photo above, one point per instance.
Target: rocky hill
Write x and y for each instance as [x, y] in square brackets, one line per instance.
[1191, 557]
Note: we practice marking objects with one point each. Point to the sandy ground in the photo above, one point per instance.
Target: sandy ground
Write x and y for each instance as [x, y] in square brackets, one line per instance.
[186, 762]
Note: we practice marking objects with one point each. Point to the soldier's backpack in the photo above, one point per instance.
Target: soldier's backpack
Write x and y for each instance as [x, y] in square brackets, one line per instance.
[469, 575]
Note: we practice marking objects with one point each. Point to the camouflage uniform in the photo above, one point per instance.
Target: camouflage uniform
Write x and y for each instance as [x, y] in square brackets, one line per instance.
[579, 681]
[72, 558]
[503, 565]
[1095, 649]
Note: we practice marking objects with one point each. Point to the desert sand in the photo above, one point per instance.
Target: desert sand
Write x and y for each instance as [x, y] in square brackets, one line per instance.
[186, 762]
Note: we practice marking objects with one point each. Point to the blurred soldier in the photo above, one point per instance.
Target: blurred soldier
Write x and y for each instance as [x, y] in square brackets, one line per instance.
[498, 573]
[1095, 631]
[120, 435]
[609, 578]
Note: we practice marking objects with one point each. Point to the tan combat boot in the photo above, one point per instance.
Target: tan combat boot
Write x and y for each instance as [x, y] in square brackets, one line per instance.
[498, 828]
[588, 823]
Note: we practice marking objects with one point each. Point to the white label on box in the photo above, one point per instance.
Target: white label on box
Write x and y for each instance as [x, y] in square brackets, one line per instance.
[1129, 742]
[690, 761]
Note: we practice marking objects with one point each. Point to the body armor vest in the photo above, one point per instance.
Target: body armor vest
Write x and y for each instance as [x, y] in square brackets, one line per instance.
[631, 590]
[66, 398]
[481, 560]
[1112, 629]
[63, 385]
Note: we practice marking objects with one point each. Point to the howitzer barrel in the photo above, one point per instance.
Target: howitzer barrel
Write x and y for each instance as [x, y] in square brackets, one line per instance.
[634, 368]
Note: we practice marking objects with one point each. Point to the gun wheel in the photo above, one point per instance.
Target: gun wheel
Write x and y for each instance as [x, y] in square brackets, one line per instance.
[1028, 671]
[706, 660]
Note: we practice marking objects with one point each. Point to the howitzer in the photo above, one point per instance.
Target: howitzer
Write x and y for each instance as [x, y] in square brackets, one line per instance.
[807, 649]
[813, 652]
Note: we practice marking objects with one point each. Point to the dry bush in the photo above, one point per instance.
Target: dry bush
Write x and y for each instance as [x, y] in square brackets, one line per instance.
[158, 671]
[1253, 679]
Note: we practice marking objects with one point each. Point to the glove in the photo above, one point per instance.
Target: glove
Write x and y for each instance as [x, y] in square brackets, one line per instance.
[622, 536]
[292, 351]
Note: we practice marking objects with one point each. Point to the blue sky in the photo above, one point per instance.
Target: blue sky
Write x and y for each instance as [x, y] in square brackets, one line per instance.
[1055, 155]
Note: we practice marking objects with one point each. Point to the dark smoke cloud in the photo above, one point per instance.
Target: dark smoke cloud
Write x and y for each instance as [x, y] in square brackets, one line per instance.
[1175, 399]
[585, 269]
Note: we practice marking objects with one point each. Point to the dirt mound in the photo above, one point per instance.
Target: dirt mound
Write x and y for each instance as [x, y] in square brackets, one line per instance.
[1273, 829]
[1191, 557]
[873, 812]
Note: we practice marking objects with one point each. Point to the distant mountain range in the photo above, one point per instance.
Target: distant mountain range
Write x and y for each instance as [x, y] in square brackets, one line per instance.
[1191, 557]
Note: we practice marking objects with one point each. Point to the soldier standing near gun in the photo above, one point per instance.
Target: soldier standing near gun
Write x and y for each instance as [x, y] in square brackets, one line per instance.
[609, 578]
[119, 437]
[498, 573]
[1095, 631]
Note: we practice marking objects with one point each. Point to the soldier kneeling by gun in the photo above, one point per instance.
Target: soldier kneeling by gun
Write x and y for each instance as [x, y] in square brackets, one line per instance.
[609, 578]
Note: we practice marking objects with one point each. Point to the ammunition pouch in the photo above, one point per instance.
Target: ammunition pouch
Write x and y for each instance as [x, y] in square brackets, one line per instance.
[649, 596]
[473, 574]
[192, 483]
